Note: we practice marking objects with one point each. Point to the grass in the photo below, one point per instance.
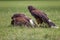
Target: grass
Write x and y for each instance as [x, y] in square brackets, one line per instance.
[8, 32]
[29, 0]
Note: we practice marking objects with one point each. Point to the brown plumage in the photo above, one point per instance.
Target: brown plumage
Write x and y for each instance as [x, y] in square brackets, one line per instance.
[21, 19]
[40, 16]
[17, 15]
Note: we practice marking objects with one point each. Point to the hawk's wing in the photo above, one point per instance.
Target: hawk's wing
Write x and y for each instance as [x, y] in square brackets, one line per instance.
[40, 14]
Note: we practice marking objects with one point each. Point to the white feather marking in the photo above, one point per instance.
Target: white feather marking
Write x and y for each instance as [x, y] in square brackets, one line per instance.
[31, 21]
[54, 27]
[49, 20]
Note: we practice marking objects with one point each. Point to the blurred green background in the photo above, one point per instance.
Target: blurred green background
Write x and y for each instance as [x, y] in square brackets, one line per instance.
[8, 32]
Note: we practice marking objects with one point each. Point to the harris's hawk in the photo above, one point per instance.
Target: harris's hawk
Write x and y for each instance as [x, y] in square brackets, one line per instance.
[40, 16]
[22, 19]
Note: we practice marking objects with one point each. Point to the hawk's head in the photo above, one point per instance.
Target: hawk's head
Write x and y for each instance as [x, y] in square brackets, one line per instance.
[31, 8]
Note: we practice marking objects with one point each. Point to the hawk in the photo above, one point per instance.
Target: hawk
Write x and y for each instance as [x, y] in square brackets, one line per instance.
[40, 16]
[22, 19]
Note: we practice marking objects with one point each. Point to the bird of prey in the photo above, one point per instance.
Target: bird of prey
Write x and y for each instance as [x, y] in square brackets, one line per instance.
[40, 16]
[22, 19]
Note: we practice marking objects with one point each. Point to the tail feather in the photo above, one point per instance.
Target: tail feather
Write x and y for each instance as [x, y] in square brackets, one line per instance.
[51, 24]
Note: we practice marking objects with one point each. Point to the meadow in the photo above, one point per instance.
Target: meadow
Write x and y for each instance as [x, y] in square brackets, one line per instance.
[9, 32]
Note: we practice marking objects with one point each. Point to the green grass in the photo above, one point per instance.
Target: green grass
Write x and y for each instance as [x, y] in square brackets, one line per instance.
[8, 32]
[29, 0]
